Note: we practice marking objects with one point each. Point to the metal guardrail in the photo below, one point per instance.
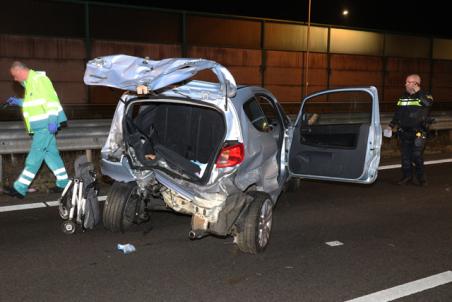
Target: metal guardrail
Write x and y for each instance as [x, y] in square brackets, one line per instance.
[85, 135]
[90, 135]
[78, 135]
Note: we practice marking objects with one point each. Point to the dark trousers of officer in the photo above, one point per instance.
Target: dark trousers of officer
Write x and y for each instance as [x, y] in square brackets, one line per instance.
[412, 151]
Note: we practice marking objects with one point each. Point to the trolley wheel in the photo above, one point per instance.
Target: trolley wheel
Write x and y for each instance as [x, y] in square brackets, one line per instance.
[68, 227]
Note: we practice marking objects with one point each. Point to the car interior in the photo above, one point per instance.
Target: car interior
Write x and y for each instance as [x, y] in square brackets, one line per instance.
[186, 136]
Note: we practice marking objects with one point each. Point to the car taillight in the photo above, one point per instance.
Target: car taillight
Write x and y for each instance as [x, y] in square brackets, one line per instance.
[230, 156]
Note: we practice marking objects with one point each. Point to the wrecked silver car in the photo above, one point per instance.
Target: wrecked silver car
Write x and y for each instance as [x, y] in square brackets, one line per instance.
[219, 152]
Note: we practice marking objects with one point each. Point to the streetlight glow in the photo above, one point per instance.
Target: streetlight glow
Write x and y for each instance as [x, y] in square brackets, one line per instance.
[345, 12]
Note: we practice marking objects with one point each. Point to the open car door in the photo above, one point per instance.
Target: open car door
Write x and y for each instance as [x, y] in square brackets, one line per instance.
[337, 136]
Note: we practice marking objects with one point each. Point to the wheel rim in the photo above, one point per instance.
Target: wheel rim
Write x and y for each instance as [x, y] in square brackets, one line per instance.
[265, 223]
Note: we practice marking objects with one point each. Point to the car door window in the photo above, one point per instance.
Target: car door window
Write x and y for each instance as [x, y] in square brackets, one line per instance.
[337, 124]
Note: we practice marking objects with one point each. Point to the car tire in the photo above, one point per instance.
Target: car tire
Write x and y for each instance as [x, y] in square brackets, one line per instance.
[255, 234]
[120, 206]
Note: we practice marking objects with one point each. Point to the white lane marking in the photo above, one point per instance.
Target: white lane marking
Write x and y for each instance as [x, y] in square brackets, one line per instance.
[36, 205]
[407, 288]
[388, 167]
[20, 207]
[52, 203]
[430, 162]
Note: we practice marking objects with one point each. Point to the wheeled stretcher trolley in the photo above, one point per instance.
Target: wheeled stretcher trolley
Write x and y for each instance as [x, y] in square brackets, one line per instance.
[78, 204]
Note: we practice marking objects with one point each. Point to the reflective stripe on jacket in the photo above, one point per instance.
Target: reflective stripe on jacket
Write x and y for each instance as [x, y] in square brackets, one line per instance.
[409, 102]
[41, 105]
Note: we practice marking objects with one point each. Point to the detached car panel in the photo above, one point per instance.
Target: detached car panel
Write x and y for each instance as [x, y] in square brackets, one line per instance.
[220, 152]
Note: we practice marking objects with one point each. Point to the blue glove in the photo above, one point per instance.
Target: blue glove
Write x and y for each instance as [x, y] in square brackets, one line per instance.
[53, 128]
[13, 101]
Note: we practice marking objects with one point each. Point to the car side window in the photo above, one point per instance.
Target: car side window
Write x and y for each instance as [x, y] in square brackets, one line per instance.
[256, 115]
[269, 110]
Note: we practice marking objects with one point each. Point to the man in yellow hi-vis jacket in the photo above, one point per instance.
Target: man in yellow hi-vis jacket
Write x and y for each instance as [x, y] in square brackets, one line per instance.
[43, 115]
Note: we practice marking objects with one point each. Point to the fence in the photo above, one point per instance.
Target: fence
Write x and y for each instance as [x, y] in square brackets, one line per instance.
[270, 53]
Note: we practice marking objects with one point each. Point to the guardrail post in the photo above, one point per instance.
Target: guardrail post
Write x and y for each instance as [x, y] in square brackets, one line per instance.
[89, 155]
[1, 169]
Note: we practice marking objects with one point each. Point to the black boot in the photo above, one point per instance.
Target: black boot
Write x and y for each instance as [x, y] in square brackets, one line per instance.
[11, 191]
[405, 180]
[421, 181]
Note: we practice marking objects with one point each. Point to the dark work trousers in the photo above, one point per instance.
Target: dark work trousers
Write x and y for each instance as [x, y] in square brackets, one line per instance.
[412, 152]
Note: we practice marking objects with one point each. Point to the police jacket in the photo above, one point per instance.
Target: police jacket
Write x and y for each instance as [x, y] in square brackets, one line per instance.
[412, 111]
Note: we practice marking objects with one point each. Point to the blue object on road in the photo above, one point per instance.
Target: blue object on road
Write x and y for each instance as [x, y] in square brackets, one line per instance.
[126, 248]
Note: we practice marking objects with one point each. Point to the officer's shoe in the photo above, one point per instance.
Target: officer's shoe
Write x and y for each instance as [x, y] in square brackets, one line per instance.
[11, 191]
[405, 180]
[422, 182]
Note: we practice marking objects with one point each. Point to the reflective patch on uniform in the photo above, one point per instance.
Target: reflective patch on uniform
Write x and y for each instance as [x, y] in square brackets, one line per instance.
[59, 171]
[54, 105]
[409, 102]
[60, 177]
[34, 103]
[28, 174]
[24, 181]
[39, 117]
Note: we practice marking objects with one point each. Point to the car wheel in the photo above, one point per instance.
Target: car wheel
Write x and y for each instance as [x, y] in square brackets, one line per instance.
[121, 206]
[255, 235]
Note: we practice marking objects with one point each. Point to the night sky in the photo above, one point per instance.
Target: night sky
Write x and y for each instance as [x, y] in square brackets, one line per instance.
[414, 17]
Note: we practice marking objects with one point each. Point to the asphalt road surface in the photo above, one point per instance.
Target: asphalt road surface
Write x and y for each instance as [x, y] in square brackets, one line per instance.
[384, 241]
